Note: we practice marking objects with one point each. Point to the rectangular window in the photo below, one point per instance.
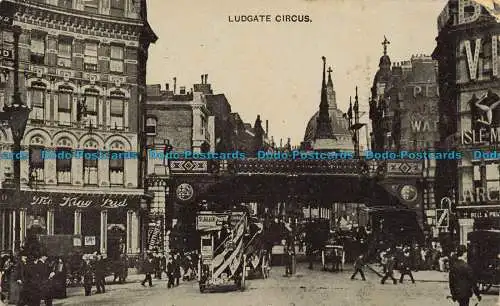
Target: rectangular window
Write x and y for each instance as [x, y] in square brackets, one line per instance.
[64, 108]
[37, 105]
[91, 6]
[37, 48]
[116, 63]
[65, 4]
[117, 8]
[36, 164]
[64, 53]
[91, 112]
[116, 114]
[90, 60]
[63, 165]
[492, 172]
[116, 168]
[150, 126]
[90, 163]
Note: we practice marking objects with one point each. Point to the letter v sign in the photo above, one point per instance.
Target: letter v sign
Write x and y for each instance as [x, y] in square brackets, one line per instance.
[442, 218]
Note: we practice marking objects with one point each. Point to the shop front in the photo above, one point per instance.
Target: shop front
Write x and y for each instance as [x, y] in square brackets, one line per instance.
[106, 223]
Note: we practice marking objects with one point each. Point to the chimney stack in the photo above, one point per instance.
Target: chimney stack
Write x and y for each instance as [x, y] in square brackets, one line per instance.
[267, 127]
[167, 87]
[175, 84]
[206, 78]
[202, 77]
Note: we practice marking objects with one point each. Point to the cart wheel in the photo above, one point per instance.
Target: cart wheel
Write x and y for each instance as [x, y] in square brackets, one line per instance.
[243, 274]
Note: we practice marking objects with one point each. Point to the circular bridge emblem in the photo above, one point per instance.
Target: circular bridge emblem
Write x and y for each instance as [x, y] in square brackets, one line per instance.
[409, 193]
[184, 192]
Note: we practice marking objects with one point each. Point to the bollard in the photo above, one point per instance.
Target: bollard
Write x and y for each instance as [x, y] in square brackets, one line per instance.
[294, 264]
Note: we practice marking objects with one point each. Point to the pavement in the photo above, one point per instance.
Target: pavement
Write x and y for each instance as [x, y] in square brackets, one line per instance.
[307, 287]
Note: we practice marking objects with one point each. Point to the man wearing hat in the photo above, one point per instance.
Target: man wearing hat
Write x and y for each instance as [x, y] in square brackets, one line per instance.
[405, 266]
[462, 280]
[46, 279]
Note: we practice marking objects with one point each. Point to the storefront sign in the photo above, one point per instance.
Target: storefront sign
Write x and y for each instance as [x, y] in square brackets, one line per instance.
[205, 222]
[480, 214]
[81, 201]
[480, 194]
[89, 240]
[476, 72]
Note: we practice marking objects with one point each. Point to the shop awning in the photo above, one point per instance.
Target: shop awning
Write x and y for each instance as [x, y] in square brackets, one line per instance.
[99, 200]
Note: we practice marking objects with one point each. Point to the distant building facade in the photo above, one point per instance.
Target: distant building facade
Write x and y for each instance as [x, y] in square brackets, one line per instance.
[468, 55]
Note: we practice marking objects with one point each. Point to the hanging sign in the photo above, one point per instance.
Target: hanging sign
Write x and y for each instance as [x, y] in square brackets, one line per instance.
[90, 240]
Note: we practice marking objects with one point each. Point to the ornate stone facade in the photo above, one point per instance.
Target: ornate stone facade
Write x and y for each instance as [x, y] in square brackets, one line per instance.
[82, 73]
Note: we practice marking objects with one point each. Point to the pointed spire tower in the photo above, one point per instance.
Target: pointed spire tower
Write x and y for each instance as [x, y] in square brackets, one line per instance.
[330, 91]
[324, 127]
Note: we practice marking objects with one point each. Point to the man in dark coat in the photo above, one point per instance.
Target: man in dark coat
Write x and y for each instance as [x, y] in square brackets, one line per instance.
[462, 280]
[163, 264]
[389, 269]
[32, 287]
[358, 267]
[18, 293]
[46, 275]
[177, 269]
[148, 268]
[88, 276]
[405, 266]
[170, 272]
[100, 274]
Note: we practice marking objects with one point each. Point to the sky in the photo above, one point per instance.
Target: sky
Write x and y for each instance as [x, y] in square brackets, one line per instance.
[274, 69]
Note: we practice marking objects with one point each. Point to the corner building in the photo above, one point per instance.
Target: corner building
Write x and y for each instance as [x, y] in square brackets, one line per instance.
[91, 53]
[469, 63]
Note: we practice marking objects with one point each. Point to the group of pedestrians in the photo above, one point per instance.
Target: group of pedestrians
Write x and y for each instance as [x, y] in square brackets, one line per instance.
[29, 280]
[158, 264]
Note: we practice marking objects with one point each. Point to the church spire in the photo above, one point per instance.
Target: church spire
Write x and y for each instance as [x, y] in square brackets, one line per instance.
[324, 127]
[330, 91]
[385, 43]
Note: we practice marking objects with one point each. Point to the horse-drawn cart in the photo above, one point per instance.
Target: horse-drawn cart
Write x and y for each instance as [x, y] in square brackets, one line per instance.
[222, 250]
[484, 257]
[335, 255]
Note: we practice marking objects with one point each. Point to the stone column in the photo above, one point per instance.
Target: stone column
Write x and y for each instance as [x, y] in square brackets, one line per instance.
[50, 222]
[129, 231]
[3, 230]
[466, 226]
[13, 230]
[78, 223]
[104, 231]
[22, 226]
[136, 233]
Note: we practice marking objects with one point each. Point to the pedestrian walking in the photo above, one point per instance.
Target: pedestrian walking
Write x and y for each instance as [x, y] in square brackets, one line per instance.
[148, 268]
[88, 275]
[358, 267]
[177, 269]
[462, 280]
[170, 272]
[100, 274]
[405, 266]
[163, 264]
[46, 275]
[389, 270]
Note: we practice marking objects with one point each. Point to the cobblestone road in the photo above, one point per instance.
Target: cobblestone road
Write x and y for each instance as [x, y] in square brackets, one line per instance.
[307, 288]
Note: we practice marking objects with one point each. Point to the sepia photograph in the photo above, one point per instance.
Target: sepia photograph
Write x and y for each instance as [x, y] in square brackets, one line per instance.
[250, 152]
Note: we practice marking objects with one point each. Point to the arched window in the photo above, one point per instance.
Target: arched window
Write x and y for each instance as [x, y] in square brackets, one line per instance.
[36, 159]
[116, 163]
[64, 155]
[151, 126]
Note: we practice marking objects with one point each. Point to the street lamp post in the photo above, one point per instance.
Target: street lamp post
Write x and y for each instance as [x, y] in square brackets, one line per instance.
[16, 114]
[355, 126]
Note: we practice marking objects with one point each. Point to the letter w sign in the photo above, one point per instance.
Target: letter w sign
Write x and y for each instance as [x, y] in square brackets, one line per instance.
[442, 218]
